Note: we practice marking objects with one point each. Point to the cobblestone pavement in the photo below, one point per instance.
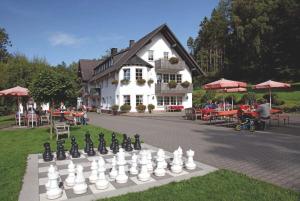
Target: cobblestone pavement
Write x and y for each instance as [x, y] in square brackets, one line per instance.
[272, 155]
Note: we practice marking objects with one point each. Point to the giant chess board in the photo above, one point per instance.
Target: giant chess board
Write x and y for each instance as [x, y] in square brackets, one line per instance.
[35, 178]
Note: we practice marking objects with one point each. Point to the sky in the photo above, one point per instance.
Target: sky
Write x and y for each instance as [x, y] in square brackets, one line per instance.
[69, 30]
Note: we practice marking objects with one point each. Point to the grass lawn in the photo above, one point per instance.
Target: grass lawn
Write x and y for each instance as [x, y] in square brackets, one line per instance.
[6, 121]
[15, 145]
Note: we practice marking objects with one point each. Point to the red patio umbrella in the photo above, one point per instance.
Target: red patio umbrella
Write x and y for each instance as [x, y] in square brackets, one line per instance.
[232, 90]
[271, 84]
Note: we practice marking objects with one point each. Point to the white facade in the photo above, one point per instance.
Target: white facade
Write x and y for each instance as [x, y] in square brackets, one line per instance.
[114, 94]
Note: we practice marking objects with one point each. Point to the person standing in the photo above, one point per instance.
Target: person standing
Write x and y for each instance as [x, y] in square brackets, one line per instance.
[263, 111]
[62, 109]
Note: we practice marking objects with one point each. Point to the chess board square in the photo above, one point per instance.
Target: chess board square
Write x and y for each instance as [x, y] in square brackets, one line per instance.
[117, 185]
[43, 197]
[46, 164]
[161, 178]
[43, 181]
[197, 169]
[96, 191]
[81, 156]
[62, 162]
[70, 194]
[42, 189]
[176, 174]
[137, 181]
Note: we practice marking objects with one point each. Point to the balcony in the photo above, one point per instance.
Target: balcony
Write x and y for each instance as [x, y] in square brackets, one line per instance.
[163, 65]
[163, 88]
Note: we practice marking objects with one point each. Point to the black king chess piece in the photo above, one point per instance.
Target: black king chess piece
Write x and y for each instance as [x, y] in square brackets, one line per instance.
[91, 151]
[47, 155]
[75, 153]
[137, 142]
[116, 146]
[124, 141]
[102, 144]
[87, 141]
[113, 141]
[128, 146]
[60, 154]
[73, 142]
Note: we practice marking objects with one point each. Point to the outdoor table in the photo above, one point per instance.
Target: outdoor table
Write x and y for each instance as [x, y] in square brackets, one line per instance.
[230, 114]
[77, 116]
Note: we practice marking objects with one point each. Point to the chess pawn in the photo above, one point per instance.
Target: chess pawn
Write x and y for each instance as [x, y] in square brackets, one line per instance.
[121, 162]
[176, 167]
[102, 144]
[70, 180]
[160, 168]
[116, 146]
[94, 172]
[144, 174]
[161, 153]
[75, 153]
[91, 151]
[102, 182]
[133, 169]
[53, 190]
[60, 155]
[124, 143]
[128, 146]
[73, 142]
[47, 155]
[80, 186]
[190, 164]
[180, 155]
[113, 173]
[149, 161]
[137, 143]
[51, 170]
[113, 141]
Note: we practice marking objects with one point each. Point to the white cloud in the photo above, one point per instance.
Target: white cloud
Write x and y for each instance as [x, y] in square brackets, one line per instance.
[65, 39]
[109, 38]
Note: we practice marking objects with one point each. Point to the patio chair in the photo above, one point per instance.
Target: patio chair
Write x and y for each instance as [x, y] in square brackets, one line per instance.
[22, 120]
[32, 119]
[45, 119]
[61, 129]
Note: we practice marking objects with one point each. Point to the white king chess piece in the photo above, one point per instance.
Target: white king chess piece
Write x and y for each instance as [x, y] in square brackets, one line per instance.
[94, 174]
[53, 190]
[102, 182]
[121, 162]
[144, 174]
[133, 169]
[190, 164]
[176, 166]
[180, 153]
[70, 180]
[80, 186]
[160, 168]
[113, 173]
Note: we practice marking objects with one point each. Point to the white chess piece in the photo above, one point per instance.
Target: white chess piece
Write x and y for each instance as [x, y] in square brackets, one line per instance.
[70, 180]
[149, 161]
[180, 153]
[102, 182]
[190, 164]
[80, 186]
[176, 166]
[160, 168]
[113, 173]
[121, 162]
[53, 190]
[161, 153]
[144, 174]
[94, 174]
[133, 169]
[51, 170]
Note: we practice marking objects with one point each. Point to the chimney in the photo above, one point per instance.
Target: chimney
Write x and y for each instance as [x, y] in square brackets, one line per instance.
[131, 42]
[113, 51]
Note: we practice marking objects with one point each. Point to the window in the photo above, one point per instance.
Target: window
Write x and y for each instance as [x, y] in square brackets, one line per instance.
[172, 77]
[166, 55]
[178, 76]
[179, 100]
[173, 100]
[126, 99]
[150, 55]
[138, 73]
[166, 100]
[139, 100]
[126, 74]
[158, 77]
[166, 78]
[160, 101]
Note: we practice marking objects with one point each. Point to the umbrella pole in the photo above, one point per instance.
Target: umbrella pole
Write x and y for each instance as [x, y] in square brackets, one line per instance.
[19, 115]
[270, 98]
[232, 102]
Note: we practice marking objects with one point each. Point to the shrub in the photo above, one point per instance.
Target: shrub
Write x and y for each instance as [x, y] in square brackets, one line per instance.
[150, 81]
[172, 84]
[248, 98]
[125, 81]
[209, 95]
[140, 81]
[185, 84]
[197, 99]
[115, 107]
[150, 107]
[231, 97]
[115, 82]
[125, 108]
[275, 99]
[174, 60]
[140, 108]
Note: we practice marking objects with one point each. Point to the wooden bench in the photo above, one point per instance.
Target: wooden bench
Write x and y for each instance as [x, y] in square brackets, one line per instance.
[61, 128]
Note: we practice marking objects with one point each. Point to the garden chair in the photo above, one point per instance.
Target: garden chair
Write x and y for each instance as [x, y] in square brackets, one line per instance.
[61, 129]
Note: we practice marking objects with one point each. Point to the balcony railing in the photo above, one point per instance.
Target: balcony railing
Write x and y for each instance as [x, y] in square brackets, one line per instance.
[163, 65]
[163, 88]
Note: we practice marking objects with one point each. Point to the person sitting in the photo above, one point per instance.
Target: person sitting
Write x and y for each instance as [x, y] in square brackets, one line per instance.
[208, 105]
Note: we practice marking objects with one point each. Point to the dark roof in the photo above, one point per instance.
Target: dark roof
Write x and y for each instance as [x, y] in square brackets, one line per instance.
[124, 57]
[136, 60]
[86, 68]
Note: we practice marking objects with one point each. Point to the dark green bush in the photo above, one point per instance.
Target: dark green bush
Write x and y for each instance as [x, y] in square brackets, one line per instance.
[173, 60]
[141, 108]
[248, 98]
[125, 108]
[185, 84]
[275, 99]
[115, 107]
[140, 81]
[209, 95]
[172, 84]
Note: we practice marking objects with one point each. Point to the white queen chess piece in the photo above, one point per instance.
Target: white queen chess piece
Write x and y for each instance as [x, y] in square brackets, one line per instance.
[160, 168]
[133, 169]
[53, 190]
[176, 166]
[121, 162]
[113, 173]
[190, 164]
[102, 182]
[70, 180]
[94, 174]
[144, 174]
[80, 186]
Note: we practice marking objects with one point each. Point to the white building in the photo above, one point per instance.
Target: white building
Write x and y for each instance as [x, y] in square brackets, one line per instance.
[119, 78]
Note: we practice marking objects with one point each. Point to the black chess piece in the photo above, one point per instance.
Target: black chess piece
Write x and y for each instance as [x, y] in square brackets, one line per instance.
[87, 141]
[116, 146]
[137, 142]
[102, 144]
[47, 155]
[128, 146]
[113, 140]
[91, 151]
[60, 154]
[73, 142]
[124, 141]
[75, 153]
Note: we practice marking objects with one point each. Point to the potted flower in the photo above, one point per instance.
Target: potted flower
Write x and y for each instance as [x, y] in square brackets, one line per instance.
[115, 109]
[174, 60]
[150, 81]
[172, 84]
[115, 82]
[125, 108]
[124, 81]
[150, 108]
[140, 108]
[140, 81]
[185, 84]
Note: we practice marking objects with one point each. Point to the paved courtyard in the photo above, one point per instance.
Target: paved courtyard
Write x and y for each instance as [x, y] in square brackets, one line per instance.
[272, 155]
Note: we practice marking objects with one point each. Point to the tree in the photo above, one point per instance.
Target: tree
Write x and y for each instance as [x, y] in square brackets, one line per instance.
[4, 43]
